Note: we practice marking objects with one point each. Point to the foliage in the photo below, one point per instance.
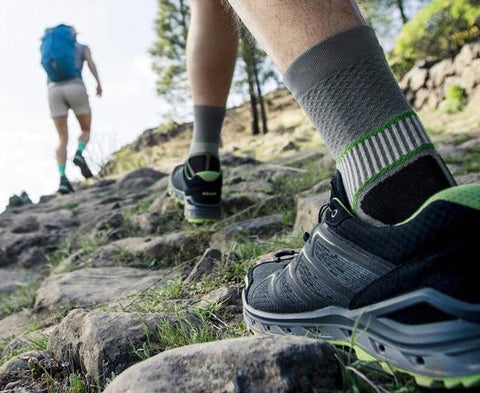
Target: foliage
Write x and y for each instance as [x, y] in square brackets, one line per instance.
[455, 99]
[387, 17]
[76, 384]
[18, 200]
[436, 32]
[167, 334]
[311, 174]
[256, 73]
[62, 252]
[169, 60]
[168, 52]
[23, 297]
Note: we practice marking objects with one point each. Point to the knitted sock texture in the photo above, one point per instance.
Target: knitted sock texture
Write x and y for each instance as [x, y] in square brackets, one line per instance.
[207, 125]
[346, 88]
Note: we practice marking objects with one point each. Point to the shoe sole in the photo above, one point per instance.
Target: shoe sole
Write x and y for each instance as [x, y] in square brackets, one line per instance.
[445, 354]
[63, 192]
[194, 212]
[86, 173]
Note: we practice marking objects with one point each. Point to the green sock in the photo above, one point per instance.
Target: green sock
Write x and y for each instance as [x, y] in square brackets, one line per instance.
[61, 169]
[81, 146]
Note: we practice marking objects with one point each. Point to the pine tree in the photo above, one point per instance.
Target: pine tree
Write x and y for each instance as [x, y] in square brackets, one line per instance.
[168, 52]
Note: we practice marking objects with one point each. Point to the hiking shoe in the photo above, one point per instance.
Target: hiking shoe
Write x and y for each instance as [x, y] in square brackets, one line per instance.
[65, 186]
[404, 295]
[200, 191]
[79, 161]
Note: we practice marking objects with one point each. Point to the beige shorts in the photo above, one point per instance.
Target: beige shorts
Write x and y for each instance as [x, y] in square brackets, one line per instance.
[65, 96]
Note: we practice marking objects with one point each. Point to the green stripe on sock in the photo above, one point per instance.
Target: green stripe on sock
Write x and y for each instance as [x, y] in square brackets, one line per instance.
[376, 131]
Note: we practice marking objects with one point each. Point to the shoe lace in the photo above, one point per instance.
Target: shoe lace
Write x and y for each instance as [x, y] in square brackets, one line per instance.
[323, 210]
[321, 215]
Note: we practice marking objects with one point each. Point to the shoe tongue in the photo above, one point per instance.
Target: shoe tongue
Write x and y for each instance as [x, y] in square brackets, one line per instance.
[203, 162]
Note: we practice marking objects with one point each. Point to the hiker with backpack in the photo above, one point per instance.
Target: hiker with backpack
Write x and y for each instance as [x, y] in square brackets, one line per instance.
[62, 58]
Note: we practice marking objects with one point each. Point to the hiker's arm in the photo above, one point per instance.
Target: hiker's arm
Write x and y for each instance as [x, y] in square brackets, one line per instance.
[93, 69]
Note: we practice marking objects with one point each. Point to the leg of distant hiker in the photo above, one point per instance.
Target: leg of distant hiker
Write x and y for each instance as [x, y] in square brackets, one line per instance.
[85, 121]
[212, 47]
[61, 124]
[335, 68]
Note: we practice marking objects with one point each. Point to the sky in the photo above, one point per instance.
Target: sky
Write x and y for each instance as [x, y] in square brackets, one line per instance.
[119, 34]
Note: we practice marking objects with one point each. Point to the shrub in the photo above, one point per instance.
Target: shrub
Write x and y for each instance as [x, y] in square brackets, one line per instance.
[438, 31]
[455, 99]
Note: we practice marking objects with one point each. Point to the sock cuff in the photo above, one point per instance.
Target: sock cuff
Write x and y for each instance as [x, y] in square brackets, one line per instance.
[203, 147]
[369, 157]
[81, 146]
[207, 126]
[61, 168]
[205, 114]
[331, 55]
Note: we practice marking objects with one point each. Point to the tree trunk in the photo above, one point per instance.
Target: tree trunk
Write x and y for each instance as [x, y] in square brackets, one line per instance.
[402, 11]
[248, 57]
[253, 105]
[261, 101]
[183, 12]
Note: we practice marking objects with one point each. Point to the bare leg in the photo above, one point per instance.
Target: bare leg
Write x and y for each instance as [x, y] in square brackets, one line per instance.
[61, 124]
[212, 46]
[286, 29]
[85, 122]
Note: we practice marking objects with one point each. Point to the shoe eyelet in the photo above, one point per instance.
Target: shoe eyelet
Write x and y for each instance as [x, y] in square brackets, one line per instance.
[333, 213]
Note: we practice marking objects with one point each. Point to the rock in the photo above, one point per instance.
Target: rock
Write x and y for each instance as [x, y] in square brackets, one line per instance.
[96, 286]
[205, 265]
[261, 227]
[13, 324]
[13, 278]
[266, 364]
[307, 212]
[102, 343]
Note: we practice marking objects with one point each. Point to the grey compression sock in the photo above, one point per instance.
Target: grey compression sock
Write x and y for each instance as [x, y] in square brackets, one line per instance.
[207, 125]
[388, 164]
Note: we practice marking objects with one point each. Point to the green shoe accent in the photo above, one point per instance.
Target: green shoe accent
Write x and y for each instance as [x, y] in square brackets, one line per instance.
[208, 175]
[201, 221]
[421, 380]
[466, 194]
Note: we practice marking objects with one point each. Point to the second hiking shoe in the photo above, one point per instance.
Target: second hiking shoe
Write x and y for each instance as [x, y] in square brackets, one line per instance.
[197, 184]
[65, 187]
[79, 161]
[405, 295]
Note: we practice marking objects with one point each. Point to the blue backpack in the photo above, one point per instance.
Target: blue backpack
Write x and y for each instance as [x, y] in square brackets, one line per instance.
[58, 53]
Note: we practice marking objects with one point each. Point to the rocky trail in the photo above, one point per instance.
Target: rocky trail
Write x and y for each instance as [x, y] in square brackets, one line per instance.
[109, 290]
